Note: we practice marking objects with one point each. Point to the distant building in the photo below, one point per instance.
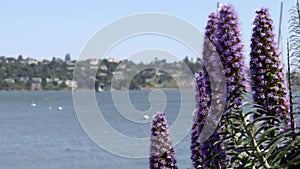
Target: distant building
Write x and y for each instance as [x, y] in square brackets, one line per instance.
[36, 80]
[23, 79]
[31, 61]
[102, 74]
[71, 65]
[10, 60]
[9, 80]
[113, 60]
[103, 67]
[36, 83]
[94, 67]
[94, 62]
[71, 83]
[49, 80]
[57, 80]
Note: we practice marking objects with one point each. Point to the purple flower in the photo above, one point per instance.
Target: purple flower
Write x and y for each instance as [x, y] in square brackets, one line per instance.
[259, 65]
[231, 88]
[229, 58]
[232, 56]
[268, 61]
[202, 107]
[207, 79]
[230, 79]
[264, 53]
[261, 57]
[231, 46]
[236, 65]
[161, 150]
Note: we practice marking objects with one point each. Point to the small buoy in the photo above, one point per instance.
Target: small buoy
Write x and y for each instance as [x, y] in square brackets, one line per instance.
[59, 108]
[146, 117]
[50, 107]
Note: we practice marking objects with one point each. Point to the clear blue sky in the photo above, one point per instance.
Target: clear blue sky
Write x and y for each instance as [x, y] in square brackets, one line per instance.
[52, 28]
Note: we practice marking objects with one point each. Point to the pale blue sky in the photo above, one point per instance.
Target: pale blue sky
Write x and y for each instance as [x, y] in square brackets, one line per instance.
[46, 29]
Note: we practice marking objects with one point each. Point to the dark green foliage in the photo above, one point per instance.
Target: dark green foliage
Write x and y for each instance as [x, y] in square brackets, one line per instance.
[255, 147]
[17, 74]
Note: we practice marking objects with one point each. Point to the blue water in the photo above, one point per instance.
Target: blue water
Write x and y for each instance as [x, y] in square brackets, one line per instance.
[39, 138]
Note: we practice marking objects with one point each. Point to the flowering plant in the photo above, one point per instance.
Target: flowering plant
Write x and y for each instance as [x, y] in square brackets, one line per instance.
[161, 150]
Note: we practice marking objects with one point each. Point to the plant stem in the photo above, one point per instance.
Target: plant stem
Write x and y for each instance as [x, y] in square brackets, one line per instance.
[254, 143]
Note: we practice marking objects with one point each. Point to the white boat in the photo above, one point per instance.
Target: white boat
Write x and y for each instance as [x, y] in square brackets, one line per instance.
[146, 117]
[33, 105]
[50, 106]
[100, 89]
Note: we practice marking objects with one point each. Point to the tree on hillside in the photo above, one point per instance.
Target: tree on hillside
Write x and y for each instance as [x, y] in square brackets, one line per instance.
[67, 58]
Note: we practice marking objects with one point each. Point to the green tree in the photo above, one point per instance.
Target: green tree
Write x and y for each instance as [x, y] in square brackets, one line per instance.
[67, 58]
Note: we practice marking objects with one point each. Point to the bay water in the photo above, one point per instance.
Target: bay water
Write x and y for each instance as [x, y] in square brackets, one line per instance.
[40, 130]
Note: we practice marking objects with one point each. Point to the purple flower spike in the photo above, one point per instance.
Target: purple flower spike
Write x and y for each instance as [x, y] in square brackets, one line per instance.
[271, 93]
[207, 105]
[230, 49]
[161, 150]
[202, 108]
